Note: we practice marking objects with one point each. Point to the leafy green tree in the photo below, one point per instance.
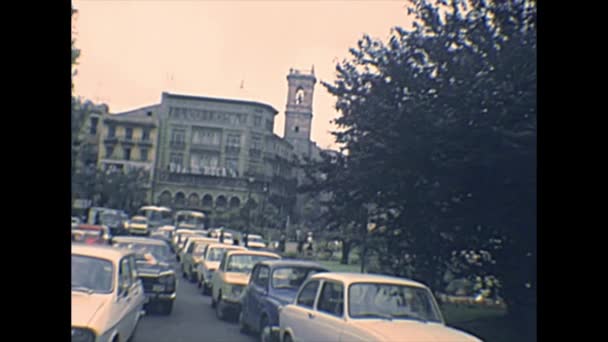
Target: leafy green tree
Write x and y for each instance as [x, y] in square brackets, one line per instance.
[439, 126]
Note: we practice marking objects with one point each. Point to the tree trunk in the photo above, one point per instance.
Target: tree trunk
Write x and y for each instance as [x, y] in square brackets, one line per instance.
[346, 245]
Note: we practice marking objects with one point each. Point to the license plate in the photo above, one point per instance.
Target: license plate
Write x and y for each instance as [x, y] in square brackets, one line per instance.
[158, 288]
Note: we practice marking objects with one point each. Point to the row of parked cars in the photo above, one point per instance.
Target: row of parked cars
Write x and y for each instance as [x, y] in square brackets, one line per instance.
[275, 298]
[295, 300]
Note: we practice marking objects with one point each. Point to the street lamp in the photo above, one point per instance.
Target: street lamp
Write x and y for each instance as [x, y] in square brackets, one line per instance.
[250, 181]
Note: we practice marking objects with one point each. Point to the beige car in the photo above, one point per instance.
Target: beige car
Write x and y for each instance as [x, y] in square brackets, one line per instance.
[192, 254]
[365, 308]
[107, 296]
[231, 277]
[138, 226]
[212, 256]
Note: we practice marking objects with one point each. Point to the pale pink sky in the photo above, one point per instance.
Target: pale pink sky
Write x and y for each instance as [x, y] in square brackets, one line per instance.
[130, 49]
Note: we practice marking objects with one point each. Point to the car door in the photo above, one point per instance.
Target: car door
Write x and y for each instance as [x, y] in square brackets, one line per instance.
[327, 322]
[259, 291]
[123, 313]
[216, 280]
[298, 318]
[246, 308]
[137, 290]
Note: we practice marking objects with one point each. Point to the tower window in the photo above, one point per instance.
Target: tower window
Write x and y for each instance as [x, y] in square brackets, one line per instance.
[299, 96]
[296, 129]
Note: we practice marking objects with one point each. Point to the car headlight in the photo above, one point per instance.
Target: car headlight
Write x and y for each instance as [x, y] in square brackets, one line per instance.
[233, 292]
[168, 281]
[82, 335]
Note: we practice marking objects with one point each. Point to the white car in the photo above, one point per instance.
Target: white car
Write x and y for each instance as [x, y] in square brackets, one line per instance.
[365, 308]
[231, 278]
[255, 241]
[210, 261]
[139, 226]
[107, 296]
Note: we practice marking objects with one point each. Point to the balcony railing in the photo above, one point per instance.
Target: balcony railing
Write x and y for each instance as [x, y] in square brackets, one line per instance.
[205, 147]
[177, 144]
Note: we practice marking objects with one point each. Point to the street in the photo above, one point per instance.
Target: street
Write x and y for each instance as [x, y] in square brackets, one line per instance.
[192, 319]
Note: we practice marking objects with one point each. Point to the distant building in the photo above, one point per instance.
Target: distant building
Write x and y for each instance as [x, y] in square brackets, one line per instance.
[214, 154]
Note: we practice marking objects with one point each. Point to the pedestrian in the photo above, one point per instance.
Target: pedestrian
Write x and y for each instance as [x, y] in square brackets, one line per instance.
[222, 236]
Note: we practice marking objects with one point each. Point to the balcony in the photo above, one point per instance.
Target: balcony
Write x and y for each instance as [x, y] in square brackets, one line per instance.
[127, 141]
[233, 149]
[110, 140]
[146, 142]
[177, 144]
[254, 153]
[205, 147]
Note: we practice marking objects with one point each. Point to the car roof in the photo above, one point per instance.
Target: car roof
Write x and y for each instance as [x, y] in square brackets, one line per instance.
[293, 262]
[102, 252]
[348, 278]
[153, 207]
[139, 217]
[223, 245]
[135, 239]
[190, 212]
[250, 252]
[90, 227]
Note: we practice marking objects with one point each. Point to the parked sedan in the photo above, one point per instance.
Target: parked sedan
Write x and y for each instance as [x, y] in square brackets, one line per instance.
[154, 269]
[139, 226]
[212, 255]
[107, 297]
[364, 307]
[273, 284]
[231, 278]
[193, 255]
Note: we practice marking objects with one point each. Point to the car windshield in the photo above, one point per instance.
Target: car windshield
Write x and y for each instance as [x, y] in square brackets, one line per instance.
[91, 274]
[254, 239]
[110, 218]
[215, 254]
[139, 221]
[291, 277]
[390, 301]
[159, 252]
[243, 263]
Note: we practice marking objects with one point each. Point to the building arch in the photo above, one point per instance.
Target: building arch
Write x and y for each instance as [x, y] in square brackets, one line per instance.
[235, 202]
[193, 200]
[207, 201]
[221, 202]
[165, 198]
[180, 199]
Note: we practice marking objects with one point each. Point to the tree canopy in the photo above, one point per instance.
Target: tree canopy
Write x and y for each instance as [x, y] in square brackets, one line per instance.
[438, 128]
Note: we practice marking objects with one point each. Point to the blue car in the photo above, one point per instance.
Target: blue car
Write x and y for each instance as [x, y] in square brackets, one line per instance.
[273, 283]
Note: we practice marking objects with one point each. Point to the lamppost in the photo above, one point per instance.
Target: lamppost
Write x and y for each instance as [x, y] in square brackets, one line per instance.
[262, 214]
[250, 181]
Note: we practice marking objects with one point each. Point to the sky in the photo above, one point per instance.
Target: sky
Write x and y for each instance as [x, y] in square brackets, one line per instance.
[133, 50]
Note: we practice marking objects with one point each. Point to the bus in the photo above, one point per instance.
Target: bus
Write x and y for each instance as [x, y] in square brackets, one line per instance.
[190, 219]
[157, 216]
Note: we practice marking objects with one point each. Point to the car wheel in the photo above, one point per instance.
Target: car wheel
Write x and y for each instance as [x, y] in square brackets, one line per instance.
[166, 307]
[243, 327]
[264, 337]
[192, 276]
[219, 309]
[287, 338]
[213, 303]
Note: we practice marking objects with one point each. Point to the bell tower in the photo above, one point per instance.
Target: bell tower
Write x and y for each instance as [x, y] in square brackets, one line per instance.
[298, 112]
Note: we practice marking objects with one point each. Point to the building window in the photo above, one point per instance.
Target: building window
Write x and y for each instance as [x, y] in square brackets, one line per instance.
[233, 140]
[257, 121]
[176, 160]
[129, 133]
[269, 125]
[232, 164]
[206, 137]
[178, 136]
[127, 153]
[299, 96]
[145, 136]
[143, 153]
[296, 129]
[256, 142]
[111, 131]
[109, 151]
[94, 122]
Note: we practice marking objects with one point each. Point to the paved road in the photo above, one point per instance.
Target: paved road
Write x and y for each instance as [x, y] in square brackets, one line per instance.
[192, 319]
